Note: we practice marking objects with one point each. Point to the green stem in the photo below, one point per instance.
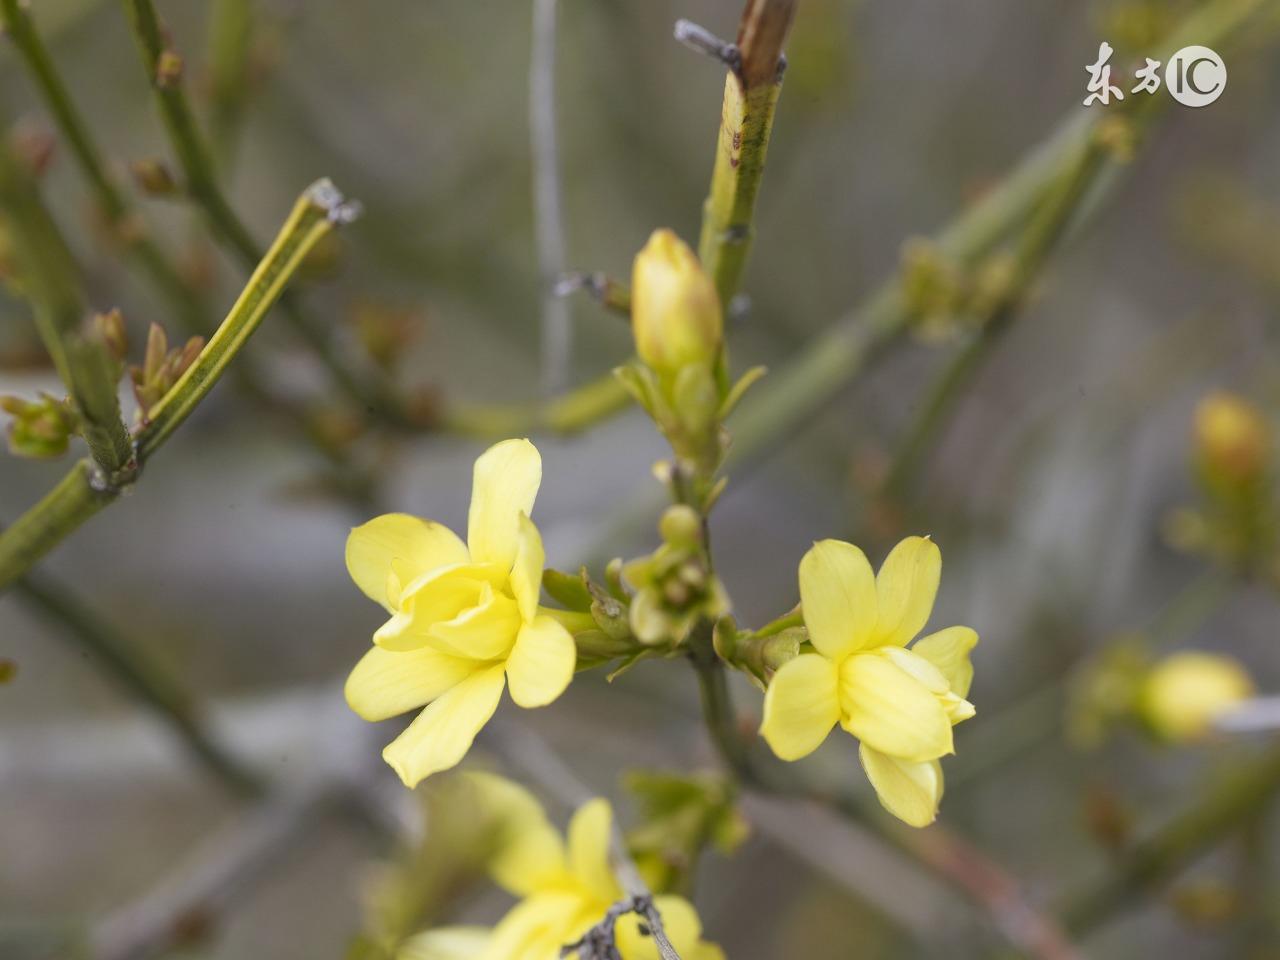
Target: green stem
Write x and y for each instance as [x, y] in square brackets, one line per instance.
[230, 47]
[52, 281]
[81, 493]
[202, 185]
[572, 412]
[746, 121]
[160, 693]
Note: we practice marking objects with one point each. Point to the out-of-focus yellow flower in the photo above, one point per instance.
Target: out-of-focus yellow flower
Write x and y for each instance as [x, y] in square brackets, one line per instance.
[465, 619]
[675, 310]
[1184, 693]
[900, 703]
[565, 889]
[1233, 440]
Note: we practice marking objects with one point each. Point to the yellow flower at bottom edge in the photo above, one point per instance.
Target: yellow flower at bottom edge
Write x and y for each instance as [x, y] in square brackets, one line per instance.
[565, 890]
[901, 704]
[465, 620]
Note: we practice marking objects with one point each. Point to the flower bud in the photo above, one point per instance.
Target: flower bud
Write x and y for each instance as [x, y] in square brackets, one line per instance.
[1232, 439]
[40, 429]
[1184, 693]
[675, 310]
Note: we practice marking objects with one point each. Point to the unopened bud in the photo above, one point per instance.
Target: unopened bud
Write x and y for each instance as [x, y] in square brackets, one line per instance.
[676, 315]
[680, 526]
[110, 327]
[40, 429]
[1233, 441]
[153, 177]
[1185, 693]
[168, 69]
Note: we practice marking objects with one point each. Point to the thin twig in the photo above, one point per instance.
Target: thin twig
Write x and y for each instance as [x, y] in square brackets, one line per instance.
[161, 693]
[82, 492]
[164, 72]
[1225, 807]
[222, 873]
[751, 90]
[557, 331]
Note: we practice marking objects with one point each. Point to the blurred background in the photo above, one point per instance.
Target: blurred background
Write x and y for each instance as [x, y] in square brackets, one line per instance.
[1053, 488]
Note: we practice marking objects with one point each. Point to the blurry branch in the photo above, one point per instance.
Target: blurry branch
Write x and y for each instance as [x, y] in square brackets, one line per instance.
[121, 219]
[230, 63]
[751, 91]
[184, 908]
[164, 71]
[572, 412]
[51, 280]
[557, 332]
[1033, 248]
[1113, 142]
[83, 492]
[530, 753]
[173, 705]
[1226, 806]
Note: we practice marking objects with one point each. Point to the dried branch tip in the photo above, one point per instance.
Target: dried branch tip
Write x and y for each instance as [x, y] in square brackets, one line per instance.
[701, 40]
[761, 37]
[329, 198]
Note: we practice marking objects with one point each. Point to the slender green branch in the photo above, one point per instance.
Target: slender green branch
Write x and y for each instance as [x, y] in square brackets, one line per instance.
[83, 492]
[164, 71]
[1225, 807]
[52, 282]
[313, 216]
[751, 91]
[1055, 216]
[572, 412]
[230, 49]
[113, 652]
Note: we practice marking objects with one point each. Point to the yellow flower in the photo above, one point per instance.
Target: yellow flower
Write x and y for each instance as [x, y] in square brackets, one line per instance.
[1184, 693]
[900, 703]
[464, 619]
[565, 890]
[675, 310]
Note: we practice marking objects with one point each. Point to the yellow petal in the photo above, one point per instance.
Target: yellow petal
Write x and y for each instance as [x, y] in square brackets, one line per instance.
[891, 711]
[506, 482]
[386, 683]
[526, 573]
[679, 921]
[446, 943]
[530, 854]
[910, 791]
[442, 734]
[436, 597]
[918, 667]
[801, 706]
[538, 926]
[906, 587]
[541, 663]
[419, 544]
[838, 596]
[589, 835]
[948, 650]
[486, 631]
